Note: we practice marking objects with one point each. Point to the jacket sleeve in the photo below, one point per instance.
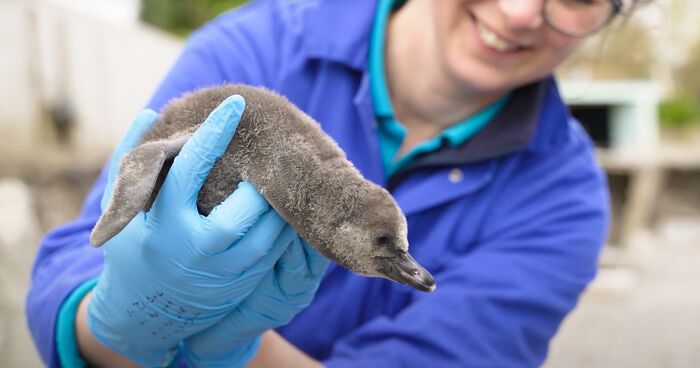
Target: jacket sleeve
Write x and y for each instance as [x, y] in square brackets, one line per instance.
[501, 301]
[215, 54]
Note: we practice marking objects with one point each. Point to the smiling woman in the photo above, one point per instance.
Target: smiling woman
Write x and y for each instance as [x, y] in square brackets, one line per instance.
[459, 118]
[478, 51]
[472, 53]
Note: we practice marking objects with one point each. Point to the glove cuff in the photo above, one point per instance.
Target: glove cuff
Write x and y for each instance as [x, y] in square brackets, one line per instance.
[120, 343]
[237, 358]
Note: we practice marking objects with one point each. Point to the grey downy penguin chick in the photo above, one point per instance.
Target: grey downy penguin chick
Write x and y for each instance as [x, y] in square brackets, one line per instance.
[301, 172]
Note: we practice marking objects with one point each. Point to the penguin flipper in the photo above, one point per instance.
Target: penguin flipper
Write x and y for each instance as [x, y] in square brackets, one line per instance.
[141, 173]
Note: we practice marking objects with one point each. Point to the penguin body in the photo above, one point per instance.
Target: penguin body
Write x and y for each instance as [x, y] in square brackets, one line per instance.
[299, 169]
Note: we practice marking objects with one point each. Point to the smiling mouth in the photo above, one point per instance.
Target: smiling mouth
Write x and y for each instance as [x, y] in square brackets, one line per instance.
[493, 40]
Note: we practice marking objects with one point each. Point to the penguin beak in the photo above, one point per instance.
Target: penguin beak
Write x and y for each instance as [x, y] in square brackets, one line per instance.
[404, 269]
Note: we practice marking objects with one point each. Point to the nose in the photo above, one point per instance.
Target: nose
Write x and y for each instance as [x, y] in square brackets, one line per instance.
[522, 14]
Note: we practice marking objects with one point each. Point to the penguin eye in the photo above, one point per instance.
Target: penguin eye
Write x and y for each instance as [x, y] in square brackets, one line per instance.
[383, 240]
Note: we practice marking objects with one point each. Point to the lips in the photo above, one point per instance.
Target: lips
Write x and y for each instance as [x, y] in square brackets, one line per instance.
[495, 41]
[492, 40]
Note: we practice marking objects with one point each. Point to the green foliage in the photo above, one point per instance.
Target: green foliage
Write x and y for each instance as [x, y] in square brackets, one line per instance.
[679, 112]
[183, 16]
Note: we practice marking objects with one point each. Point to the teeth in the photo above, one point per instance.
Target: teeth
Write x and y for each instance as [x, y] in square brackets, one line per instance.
[493, 40]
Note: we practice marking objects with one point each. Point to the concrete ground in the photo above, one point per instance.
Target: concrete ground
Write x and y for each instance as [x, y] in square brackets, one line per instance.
[19, 235]
[29, 206]
[642, 311]
[643, 315]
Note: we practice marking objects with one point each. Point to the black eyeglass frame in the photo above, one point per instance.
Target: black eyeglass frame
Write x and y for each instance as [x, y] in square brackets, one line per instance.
[616, 10]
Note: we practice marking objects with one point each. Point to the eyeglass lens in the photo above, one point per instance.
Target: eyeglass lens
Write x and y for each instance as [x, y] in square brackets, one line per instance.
[578, 17]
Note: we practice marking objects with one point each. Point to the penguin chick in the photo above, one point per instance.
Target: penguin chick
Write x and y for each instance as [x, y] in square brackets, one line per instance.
[301, 172]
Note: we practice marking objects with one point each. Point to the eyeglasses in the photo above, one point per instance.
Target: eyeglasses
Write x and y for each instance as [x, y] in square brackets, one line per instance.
[579, 18]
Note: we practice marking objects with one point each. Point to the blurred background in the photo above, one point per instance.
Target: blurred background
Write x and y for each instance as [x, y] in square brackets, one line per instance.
[73, 74]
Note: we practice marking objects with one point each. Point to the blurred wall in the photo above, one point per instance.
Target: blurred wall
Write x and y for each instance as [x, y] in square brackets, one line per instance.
[74, 74]
[18, 109]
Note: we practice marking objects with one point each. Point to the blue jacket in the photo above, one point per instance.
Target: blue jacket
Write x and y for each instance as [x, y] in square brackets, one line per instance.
[510, 223]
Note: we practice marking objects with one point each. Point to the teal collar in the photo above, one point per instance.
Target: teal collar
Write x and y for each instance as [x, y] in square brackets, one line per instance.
[378, 85]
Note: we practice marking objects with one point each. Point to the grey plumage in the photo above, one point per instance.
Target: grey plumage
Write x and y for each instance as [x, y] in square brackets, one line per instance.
[300, 170]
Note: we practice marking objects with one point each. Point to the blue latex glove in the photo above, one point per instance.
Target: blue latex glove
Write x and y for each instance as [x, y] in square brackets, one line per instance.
[283, 293]
[172, 272]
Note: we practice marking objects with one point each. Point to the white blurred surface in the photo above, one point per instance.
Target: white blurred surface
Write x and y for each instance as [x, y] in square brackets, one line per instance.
[93, 56]
[19, 235]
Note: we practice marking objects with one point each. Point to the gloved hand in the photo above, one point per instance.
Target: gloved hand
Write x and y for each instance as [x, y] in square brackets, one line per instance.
[284, 292]
[173, 272]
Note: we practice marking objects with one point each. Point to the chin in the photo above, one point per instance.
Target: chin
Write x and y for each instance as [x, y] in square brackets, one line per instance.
[484, 80]
[478, 76]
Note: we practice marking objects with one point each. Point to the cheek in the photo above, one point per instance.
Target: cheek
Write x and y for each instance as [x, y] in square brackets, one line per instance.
[557, 49]
[446, 15]
[563, 45]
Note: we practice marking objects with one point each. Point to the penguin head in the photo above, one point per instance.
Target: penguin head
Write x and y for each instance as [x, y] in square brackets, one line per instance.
[373, 241]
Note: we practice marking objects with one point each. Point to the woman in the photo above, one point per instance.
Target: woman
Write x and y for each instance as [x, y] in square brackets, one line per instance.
[449, 104]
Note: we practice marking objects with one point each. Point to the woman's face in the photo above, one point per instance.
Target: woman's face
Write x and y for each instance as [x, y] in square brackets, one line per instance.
[493, 46]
